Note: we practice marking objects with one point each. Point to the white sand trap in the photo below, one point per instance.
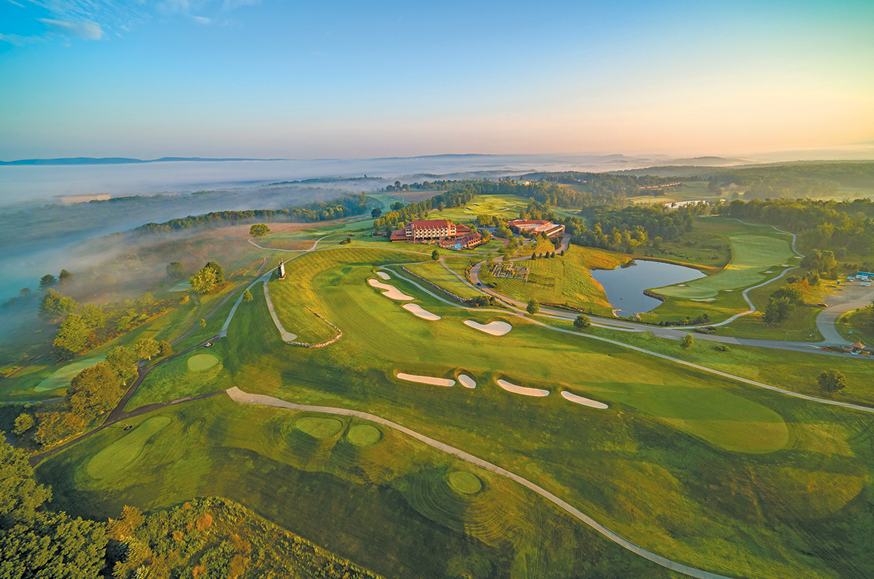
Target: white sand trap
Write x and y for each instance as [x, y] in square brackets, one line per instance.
[383, 275]
[422, 313]
[522, 389]
[426, 380]
[703, 299]
[584, 401]
[391, 291]
[493, 328]
[769, 271]
[466, 381]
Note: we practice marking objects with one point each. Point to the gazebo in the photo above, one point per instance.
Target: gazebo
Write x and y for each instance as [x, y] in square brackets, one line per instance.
[857, 347]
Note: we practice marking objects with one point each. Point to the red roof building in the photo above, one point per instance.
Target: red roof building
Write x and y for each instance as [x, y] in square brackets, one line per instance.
[536, 227]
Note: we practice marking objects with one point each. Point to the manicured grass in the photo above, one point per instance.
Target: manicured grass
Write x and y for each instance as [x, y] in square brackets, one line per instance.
[319, 427]
[465, 482]
[201, 362]
[383, 501]
[753, 255]
[564, 280]
[61, 378]
[175, 379]
[704, 470]
[118, 456]
[363, 435]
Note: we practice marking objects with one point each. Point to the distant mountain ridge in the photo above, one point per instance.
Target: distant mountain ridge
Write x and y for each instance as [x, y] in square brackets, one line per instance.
[118, 160]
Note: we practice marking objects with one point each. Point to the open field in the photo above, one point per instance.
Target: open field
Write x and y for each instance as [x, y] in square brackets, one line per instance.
[676, 449]
[505, 207]
[436, 273]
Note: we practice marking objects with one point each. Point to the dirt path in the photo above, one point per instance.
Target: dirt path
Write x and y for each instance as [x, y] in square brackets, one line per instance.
[241, 397]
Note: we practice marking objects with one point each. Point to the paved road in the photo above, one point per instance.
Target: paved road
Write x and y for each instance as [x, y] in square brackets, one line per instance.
[851, 297]
[243, 398]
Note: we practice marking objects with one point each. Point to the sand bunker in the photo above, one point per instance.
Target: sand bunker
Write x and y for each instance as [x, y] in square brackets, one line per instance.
[522, 389]
[493, 328]
[418, 311]
[427, 380]
[391, 291]
[703, 299]
[584, 401]
[466, 381]
[383, 275]
[769, 271]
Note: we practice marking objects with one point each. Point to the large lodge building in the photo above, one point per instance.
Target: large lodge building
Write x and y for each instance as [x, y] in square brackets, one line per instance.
[536, 227]
[443, 232]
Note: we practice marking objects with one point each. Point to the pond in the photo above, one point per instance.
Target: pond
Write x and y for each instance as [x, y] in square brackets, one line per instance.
[624, 285]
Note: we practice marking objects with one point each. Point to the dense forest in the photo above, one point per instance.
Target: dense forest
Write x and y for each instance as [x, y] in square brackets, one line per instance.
[628, 228]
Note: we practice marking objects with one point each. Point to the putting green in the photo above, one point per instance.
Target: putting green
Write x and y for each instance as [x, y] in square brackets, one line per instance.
[62, 378]
[200, 362]
[116, 457]
[465, 483]
[753, 255]
[319, 427]
[363, 435]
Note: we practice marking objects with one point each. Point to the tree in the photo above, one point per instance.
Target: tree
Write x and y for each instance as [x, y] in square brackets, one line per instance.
[72, 338]
[259, 230]
[93, 316]
[38, 543]
[831, 381]
[203, 281]
[55, 305]
[435, 255]
[93, 391]
[792, 292]
[688, 341]
[47, 281]
[247, 296]
[376, 212]
[165, 349]
[219, 272]
[121, 361]
[175, 270]
[65, 277]
[582, 321]
[23, 423]
[202, 323]
[146, 349]
[778, 310]
[533, 307]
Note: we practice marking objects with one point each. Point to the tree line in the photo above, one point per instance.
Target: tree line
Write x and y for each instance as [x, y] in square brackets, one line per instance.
[312, 212]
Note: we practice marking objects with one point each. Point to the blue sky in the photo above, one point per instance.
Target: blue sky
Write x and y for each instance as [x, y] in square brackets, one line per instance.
[267, 78]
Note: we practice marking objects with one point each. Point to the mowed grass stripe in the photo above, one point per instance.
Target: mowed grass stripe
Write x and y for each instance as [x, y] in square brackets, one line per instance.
[753, 254]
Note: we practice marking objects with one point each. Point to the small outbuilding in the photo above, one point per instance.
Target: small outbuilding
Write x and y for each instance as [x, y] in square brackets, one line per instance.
[280, 271]
[858, 347]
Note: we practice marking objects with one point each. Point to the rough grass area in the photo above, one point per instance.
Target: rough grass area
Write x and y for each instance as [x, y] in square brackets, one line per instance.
[437, 274]
[753, 255]
[564, 280]
[858, 322]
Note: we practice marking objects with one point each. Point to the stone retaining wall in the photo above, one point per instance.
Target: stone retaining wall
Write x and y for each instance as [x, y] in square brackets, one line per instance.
[323, 344]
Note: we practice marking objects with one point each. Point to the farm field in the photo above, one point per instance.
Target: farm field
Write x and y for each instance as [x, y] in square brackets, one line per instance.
[648, 465]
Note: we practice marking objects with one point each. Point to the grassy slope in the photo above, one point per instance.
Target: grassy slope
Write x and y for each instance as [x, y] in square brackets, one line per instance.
[376, 505]
[682, 493]
[437, 274]
[564, 279]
